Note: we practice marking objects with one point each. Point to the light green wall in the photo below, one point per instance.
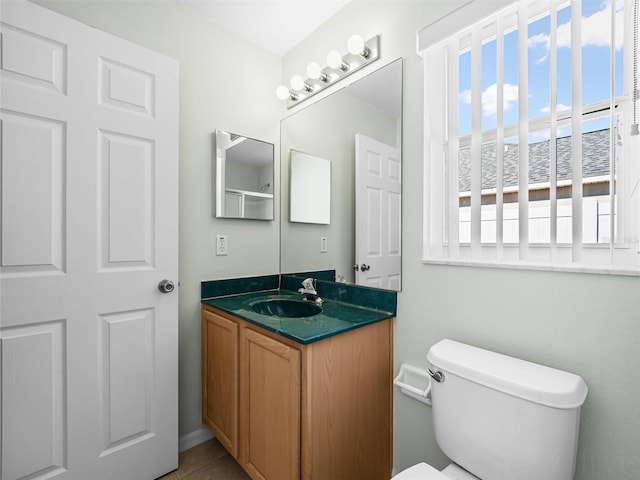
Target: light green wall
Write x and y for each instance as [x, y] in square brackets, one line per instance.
[586, 324]
[227, 83]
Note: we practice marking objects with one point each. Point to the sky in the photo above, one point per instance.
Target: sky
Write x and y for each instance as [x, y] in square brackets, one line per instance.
[596, 40]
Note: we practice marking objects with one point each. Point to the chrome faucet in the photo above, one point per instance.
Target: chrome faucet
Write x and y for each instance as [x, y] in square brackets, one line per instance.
[309, 291]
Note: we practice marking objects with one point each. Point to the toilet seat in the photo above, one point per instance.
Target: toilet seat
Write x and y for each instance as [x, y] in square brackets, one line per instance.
[421, 471]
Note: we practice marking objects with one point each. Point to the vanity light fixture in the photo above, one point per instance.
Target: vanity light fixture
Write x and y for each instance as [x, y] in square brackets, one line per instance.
[359, 54]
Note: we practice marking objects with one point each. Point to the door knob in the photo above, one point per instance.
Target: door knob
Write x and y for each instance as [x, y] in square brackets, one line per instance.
[166, 286]
[365, 268]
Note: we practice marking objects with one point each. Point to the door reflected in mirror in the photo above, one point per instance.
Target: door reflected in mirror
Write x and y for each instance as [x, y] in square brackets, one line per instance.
[378, 187]
[243, 177]
[372, 107]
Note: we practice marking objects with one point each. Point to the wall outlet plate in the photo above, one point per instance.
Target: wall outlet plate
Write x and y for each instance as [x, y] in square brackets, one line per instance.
[221, 244]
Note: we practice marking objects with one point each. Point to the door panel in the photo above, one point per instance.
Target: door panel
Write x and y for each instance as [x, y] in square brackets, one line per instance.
[126, 377]
[127, 206]
[30, 58]
[89, 344]
[33, 399]
[126, 87]
[33, 168]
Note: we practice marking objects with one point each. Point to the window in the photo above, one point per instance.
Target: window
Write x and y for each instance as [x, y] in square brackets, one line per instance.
[529, 154]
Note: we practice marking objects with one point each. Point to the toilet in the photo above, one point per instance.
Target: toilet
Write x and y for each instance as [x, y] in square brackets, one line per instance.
[500, 418]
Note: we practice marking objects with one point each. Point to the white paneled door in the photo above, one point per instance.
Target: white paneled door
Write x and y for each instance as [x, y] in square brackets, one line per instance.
[89, 205]
[378, 214]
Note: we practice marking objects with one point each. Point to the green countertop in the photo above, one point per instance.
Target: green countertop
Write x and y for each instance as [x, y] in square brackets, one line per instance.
[336, 317]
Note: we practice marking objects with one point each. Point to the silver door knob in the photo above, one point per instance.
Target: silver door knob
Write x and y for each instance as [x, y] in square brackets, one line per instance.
[365, 268]
[166, 286]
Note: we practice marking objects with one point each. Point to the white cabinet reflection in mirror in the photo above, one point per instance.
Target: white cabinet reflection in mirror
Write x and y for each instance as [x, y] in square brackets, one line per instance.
[244, 177]
[310, 189]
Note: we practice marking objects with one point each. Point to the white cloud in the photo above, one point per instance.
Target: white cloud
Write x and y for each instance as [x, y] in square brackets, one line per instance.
[490, 98]
[539, 39]
[559, 107]
[596, 31]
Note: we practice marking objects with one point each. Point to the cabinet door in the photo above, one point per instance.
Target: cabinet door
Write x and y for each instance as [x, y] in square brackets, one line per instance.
[220, 379]
[347, 405]
[270, 407]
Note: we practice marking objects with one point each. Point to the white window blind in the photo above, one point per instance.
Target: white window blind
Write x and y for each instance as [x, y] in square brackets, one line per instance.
[530, 160]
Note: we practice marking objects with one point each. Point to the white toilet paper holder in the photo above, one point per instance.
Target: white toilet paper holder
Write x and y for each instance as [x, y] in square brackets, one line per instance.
[414, 382]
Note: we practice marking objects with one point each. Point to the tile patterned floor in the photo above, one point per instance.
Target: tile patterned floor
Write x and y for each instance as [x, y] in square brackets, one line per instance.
[207, 461]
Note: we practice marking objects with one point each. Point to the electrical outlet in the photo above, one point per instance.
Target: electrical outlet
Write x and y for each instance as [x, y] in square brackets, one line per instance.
[323, 244]
[221, 244]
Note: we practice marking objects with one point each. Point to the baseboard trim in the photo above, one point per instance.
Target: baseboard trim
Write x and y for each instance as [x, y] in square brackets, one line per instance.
[194, 438]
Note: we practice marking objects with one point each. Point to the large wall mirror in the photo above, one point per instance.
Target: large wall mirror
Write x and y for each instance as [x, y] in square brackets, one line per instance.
[359, 130]
[243, 177]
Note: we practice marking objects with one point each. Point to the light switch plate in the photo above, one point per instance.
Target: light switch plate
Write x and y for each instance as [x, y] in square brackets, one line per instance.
[221, 244]
[323, 244]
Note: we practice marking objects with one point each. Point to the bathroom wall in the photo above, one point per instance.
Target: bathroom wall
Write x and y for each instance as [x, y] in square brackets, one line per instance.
[227, 83]
[585, 323]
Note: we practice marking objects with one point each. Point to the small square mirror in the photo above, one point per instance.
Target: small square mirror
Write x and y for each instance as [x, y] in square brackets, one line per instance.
[244, 177]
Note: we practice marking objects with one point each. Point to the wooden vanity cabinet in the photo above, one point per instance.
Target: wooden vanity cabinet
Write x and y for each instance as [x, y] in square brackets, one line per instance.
[299, 412]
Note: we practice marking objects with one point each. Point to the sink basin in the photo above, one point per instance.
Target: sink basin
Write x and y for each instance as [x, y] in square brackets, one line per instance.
[286, 308]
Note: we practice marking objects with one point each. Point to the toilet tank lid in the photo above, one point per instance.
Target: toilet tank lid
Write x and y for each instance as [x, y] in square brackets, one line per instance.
[527, 380]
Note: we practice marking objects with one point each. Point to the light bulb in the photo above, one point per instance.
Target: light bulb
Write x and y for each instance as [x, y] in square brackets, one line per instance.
[314, 71]
[297, 82]
[334, 60]
[282, 92]
[356, 45]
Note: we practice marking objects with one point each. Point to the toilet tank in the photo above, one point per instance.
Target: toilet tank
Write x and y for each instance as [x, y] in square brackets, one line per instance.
[502, 418]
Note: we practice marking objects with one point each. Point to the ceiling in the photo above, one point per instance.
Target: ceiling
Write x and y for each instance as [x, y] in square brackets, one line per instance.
[277, 25]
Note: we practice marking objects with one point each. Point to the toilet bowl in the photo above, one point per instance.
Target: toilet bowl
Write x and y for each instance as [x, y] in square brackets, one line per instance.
[423, 471]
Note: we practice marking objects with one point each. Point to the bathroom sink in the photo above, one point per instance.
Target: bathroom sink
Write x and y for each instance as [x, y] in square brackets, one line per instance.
[286, 308]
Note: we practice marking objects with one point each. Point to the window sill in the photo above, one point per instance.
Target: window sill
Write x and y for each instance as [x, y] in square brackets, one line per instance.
[597, 269]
